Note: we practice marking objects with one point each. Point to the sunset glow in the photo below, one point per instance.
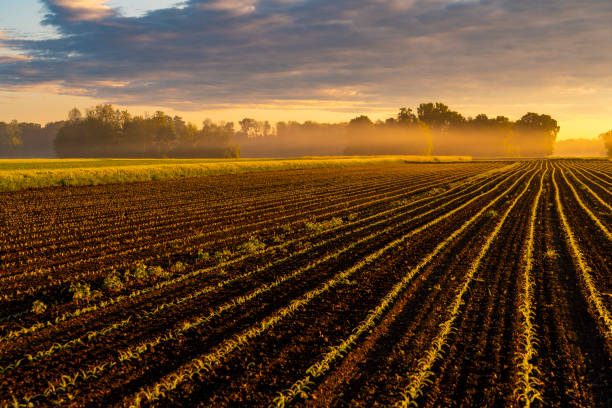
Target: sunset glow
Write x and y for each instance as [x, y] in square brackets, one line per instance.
[328, 61]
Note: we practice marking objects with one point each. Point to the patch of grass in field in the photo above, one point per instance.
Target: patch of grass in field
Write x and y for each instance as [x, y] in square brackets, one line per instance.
[56, 164]
[38, 307]
[252, 246]
[323, 225]
[36, 173]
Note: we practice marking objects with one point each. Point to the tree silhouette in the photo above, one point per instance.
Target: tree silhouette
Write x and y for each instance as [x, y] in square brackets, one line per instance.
[535, 134]
[109, 132]
[606, 138]
[439, 116]
[12, 135]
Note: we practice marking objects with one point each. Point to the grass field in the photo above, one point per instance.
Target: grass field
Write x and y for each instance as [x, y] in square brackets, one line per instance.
[34, 173]
[429, 285]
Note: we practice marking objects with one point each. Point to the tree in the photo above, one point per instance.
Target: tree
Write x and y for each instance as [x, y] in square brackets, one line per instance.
[13, 134]
[406, 117]
[163, 131]
[109, 132]
[541, 123]
[99, 134]
[439, 116]
[535, 134]
[138, 137]
[252, 128]
[74, 115]
[360, 122]
[108, 115]
[215, 140]
[606, 138]
[185, 132]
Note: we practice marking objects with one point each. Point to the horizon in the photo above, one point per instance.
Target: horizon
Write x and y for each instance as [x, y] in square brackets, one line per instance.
[234, 116]
[281, 61]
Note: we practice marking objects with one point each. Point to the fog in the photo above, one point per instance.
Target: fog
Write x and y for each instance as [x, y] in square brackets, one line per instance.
[580, 147]
[433, 129]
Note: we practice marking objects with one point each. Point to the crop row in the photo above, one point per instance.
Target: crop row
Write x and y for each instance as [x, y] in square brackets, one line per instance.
[527, 390]
[197, 216]
[420, 377]
[118, 211]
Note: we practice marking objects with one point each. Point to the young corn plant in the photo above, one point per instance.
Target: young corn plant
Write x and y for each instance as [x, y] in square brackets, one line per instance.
[81, 292]
[157, 272]
[223, 256]
[202, 256]
[252, 246]
[323, 225]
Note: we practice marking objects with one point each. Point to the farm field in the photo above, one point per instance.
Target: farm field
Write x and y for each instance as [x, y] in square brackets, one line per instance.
[397, 284]
[17, 174]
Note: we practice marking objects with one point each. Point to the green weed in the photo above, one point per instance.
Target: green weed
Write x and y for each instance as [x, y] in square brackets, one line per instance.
[38, 307]
[113, 282]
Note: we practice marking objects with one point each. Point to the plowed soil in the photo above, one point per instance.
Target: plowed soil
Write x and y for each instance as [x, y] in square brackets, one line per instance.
[230, 290]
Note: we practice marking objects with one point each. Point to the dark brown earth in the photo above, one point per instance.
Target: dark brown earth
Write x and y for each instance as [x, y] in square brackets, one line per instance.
[284, 235]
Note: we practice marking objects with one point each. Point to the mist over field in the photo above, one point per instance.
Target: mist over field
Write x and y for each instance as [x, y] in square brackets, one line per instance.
[433, 129]
[595, 147]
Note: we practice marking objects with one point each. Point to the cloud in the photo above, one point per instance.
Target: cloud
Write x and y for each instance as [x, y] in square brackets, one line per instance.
[80, 10]
[233, 6]
[377, 52]
[5, 59]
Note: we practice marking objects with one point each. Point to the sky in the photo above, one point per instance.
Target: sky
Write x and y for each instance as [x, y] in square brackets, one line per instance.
[321, 60]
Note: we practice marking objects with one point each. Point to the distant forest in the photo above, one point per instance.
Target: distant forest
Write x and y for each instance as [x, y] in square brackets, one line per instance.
[103, 131]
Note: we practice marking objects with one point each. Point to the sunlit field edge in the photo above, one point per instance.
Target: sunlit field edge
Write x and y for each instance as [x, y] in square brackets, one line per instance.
[16, 174]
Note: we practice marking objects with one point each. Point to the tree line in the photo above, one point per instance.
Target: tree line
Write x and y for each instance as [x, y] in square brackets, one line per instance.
[108, 132]
[28, 140]
[433, 128]
[606, 138]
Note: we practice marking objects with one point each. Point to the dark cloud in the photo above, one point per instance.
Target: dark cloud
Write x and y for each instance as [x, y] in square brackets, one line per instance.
[212, 53]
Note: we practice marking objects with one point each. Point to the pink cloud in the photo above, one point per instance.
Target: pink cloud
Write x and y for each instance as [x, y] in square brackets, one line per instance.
[84, 10]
